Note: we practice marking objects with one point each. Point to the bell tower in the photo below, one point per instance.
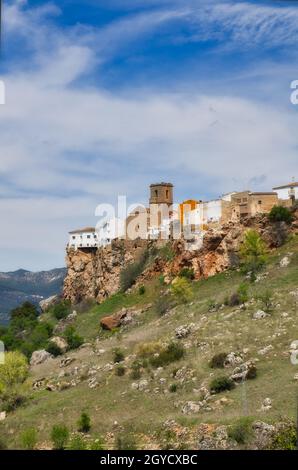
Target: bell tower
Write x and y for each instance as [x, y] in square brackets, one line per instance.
[161, 193]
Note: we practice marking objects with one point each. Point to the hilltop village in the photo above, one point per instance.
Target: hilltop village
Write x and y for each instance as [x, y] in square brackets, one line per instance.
[164, 220]
[202, 236]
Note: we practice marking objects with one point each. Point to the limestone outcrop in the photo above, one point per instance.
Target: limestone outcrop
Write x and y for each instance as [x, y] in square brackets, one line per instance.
[95, 273]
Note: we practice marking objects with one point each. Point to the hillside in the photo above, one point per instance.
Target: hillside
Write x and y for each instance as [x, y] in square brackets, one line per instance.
[19, 286]
[160, 402]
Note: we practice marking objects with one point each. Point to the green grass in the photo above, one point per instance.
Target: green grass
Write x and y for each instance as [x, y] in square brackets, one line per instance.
[227, 329]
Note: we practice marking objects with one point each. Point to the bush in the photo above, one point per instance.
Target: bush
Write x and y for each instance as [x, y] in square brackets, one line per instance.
[167, 253]
[125, 442]
[243, 293]
[182, 290]
[221, 384]
[61, 310]
[163, 304]
[146, 350]
[241, 431]
[188, 273]
[252, 373]
[173, 388]
[142, 290]
[84, 423]
[135, 373]
[266, 299]
[173, 352]
[161, 280]
[29, 439]
[280, 214]
[218, 361]
[74, 340]
[97, 444]
[59, 436]
[53, 349]
[130, 273]
[286, 438]
[252, 252]
[77, 443]
[11, 400]
[120, 371]
[14, 370]
[118, 356]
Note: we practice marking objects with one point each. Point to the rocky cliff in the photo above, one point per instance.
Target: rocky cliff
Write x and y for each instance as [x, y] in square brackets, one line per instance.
[96, 273]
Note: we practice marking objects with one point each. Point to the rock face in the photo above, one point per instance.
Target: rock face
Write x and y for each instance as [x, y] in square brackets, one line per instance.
[47, 303]
[95, 273]
[38, 357]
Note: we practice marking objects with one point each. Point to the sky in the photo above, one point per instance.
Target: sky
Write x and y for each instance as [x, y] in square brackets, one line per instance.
[104, 97]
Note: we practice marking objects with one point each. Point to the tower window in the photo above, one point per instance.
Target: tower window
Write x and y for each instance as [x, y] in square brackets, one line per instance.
[167, 193]
[156, 193]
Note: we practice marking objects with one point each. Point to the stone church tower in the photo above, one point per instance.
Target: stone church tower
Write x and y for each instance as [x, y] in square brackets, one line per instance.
[160, 204]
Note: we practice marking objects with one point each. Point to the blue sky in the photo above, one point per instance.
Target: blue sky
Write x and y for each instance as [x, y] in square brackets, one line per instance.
[104, 97]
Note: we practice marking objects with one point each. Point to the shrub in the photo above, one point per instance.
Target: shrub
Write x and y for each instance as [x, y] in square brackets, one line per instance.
[61, 310]
[218, 361]
[74, 340]
[84, 423]
[188, 273]
[163, 304]
[11, 400]
[212, 305]
[252, 252]
[77, 443]
[53, 349]
[173, 388]
[182, 290]
[280, 214]
[59, 436]
[142, 290]
[146, 350]
[14, 370]
[243, 293]
[221, 384]
[135, 373]
[173, 352]
[130, 273]
[241, 431]
[29, 439]
[252, 373]
[167, 253]
[120, 371]
[234, 300]
[266, 299]
[286, 437]
[161, 280]
[97, 444]
[125, 442]
[118, 356]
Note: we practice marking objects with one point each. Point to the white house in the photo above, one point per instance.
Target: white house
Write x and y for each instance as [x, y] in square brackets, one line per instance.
[83, 238]
[205, 213]
[288, 191]
[110, 230]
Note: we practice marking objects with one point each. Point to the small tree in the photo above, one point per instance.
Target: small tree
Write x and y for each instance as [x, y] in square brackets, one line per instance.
[74, 340]
[59, 436]
[119, 356]
[280, 214]
[61, 310]
[84, 423]
[182, 290]
[253, 252]
[14, 370]
[29, 439]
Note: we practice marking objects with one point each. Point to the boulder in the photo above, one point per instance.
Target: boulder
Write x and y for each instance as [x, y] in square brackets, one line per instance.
[118, 319]
[2, 415]
[49, 302]
[284, 262]
[245, 371]
[191, 407]
[259, 315]
[39, 357]
[60, 342]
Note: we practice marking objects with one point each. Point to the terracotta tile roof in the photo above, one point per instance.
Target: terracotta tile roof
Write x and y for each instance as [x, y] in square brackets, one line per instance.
[290, 185]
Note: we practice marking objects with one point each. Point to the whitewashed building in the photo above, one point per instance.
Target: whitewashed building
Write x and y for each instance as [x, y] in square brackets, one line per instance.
[287, 191]
[110, 230]
[83, 238]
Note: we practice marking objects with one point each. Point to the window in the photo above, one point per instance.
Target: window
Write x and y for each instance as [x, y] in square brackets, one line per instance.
[73, 237]
[259, 202]
[88, 236]
[167, 193]
[156, 193]
[95, 236]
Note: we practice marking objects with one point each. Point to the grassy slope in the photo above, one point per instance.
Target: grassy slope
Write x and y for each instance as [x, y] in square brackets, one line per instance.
[228, 329]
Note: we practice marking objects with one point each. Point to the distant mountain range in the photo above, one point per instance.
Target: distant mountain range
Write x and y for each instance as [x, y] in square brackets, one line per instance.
[19, 286]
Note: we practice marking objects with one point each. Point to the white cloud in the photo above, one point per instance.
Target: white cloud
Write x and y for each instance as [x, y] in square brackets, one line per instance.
[66, 148]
